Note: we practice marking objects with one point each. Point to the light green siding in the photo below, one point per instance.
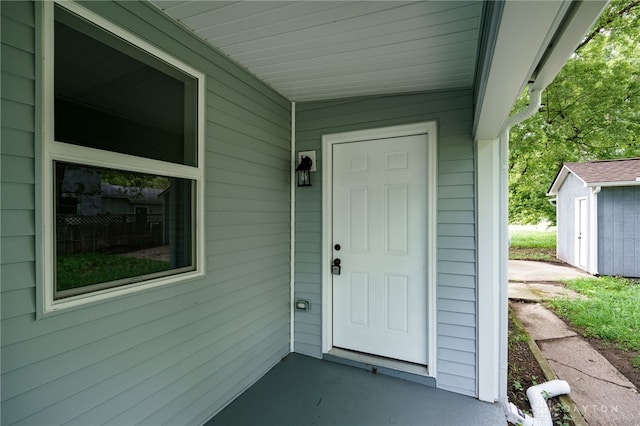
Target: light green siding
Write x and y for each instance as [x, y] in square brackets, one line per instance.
[456, 280]
[176, 354]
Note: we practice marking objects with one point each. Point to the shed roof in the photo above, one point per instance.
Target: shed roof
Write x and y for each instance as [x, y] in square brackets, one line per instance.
[620, 170]
[617, 172]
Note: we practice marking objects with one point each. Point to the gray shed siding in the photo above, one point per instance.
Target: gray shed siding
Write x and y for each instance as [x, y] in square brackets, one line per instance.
[571, 189]
[456, 280]
[619, 231]
[175, 354]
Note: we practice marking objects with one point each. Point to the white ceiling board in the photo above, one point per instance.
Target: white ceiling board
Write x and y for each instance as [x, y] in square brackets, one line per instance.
[377, 24]
[295, 17]
[311, 50]
[235, 14]
[367, 38]
[414, 65]
[184, 9]
[375, 55]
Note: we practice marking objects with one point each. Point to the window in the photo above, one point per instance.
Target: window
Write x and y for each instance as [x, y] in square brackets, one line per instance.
[122, 162]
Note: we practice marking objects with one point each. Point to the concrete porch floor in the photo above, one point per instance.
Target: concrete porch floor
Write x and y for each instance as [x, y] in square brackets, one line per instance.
[306, 391]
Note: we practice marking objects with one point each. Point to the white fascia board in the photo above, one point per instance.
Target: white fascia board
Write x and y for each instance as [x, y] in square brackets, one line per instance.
[578, 21]
[523, 35]
[612, 184]
[558, 181]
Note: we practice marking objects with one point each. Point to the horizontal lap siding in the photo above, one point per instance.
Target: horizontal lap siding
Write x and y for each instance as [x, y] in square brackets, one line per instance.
[456, 283]
[176, 354]
[17, 241]
[619, 231]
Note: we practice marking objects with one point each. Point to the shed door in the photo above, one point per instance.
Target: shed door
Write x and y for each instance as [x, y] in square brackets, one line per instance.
[379, 235]
[581, 232]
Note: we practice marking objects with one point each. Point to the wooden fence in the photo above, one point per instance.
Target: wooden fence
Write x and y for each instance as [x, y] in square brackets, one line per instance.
[117, 233]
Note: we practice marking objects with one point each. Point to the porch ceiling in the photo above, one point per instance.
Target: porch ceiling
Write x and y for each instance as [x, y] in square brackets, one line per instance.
[313, 50]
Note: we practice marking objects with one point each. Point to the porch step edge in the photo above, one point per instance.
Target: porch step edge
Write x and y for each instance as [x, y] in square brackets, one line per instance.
[376, 366]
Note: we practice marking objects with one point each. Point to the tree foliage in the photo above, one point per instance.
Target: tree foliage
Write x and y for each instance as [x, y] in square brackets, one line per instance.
[590, 112]
[133, 180]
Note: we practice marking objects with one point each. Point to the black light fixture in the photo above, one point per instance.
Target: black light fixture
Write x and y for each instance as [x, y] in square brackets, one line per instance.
[303, 171]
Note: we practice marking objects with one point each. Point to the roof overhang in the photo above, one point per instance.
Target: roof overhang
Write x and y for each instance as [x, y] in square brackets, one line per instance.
[533, 42]
[321, 50]
[318, 50]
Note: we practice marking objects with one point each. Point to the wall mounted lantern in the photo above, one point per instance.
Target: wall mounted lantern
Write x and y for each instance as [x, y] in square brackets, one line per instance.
[303, 171]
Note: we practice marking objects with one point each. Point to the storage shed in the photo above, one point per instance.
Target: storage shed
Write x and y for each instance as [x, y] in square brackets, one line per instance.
[598, 216]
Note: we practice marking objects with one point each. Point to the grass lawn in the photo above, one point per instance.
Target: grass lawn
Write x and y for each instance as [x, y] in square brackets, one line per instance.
[533, 245]
[611, 312]
[79, 270]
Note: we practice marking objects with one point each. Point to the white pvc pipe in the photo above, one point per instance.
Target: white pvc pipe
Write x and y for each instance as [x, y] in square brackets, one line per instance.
[535, 100]
[538, 396]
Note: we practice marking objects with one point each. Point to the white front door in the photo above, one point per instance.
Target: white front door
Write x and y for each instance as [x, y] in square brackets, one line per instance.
[380, 237]
[581, 232]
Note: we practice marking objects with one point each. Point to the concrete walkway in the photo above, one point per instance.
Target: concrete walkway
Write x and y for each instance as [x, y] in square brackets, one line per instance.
[530, 271]
[600, 392]
[537, 292]
[536, 281]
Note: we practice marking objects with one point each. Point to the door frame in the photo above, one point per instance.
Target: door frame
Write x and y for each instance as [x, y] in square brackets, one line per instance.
[430, 130]
[581, 214]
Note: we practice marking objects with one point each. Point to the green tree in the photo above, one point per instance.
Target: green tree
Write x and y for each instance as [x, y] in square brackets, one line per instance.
[590, 112]
[133, 180]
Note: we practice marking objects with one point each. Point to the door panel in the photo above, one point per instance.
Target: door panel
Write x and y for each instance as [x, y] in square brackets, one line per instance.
[397, 304]
[358, 219]
[380, 222]
[396, 226]
[358, 299]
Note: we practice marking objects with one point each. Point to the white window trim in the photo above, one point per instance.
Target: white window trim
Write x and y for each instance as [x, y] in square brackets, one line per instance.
[52, 150]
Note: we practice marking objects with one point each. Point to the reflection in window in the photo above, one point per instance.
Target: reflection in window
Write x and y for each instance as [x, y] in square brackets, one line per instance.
[113, 96]
[116, 227]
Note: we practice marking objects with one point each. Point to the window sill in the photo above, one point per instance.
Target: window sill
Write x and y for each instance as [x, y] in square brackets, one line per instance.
[52, 307]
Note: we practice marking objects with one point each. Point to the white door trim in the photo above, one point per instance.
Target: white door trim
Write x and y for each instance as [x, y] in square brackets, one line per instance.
[428, 128]
[584, 226]
[592, 266]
